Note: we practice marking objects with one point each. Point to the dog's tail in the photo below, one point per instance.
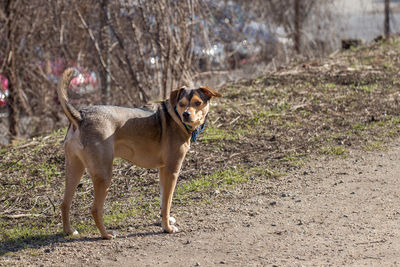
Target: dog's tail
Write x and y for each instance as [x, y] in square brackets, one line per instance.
[72, 113]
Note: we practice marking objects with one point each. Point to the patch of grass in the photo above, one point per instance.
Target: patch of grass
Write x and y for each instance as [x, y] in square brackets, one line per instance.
[119, 213]
[217, 179]
[294, 160]
[387, 66]
[83, 227]
[117, 161]
[334, 150]
[21, 234]
[217, 134]
[374, 145]
[330, 85]
[221, 180]
[369, 88]
[358, 127]
[263, 116]
[48, 169]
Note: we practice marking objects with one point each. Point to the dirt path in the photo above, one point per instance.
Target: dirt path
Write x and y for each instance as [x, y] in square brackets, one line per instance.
[338, 212]
[332, 212]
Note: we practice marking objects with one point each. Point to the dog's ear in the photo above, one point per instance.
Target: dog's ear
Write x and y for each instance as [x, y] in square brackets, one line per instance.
[210, 92]
[174, 96]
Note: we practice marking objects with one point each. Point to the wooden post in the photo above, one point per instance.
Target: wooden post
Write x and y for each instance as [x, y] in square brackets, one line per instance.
[387, 18]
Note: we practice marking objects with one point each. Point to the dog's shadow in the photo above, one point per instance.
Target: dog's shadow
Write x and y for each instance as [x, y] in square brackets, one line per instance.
[50, 241]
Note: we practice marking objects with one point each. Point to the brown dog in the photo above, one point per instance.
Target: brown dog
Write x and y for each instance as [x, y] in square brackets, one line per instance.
[146, 138]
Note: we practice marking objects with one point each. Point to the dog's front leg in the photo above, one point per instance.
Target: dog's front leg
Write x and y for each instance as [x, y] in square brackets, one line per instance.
[168, 180]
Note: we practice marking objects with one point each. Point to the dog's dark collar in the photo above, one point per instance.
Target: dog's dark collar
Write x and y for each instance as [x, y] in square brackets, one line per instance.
[198, 130]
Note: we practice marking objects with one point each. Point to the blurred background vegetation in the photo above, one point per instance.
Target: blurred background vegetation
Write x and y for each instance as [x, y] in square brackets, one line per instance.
[130, 52]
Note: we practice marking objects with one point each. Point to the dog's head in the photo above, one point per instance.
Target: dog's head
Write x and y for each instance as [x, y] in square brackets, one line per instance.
[192, 104]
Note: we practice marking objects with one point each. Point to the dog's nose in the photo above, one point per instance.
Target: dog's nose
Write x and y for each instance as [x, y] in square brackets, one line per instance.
[186, 115]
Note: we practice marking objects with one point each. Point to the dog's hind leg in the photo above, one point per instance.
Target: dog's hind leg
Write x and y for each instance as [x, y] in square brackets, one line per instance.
[101, 177]
[73, 174]
[101, 186]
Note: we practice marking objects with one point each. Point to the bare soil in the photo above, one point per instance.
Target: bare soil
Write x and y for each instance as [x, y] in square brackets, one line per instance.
[332, 212]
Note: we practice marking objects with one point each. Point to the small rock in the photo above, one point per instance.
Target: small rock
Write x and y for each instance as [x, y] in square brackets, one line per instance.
[47, 250]
[197, 264]
[339, 182]
[273, 203]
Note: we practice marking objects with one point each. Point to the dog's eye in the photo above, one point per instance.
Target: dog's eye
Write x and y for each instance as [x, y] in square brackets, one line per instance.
[197, 103]
[181, 104]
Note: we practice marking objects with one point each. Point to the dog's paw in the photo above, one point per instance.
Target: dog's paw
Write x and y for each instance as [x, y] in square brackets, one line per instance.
[174, 229]
[172, 220]
[71, 232]
[109, 235]
[171, 229]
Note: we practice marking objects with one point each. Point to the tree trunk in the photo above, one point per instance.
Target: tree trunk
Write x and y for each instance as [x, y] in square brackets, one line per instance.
[10, 71]
[297, 26]
[387, 18]
[105, 44]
